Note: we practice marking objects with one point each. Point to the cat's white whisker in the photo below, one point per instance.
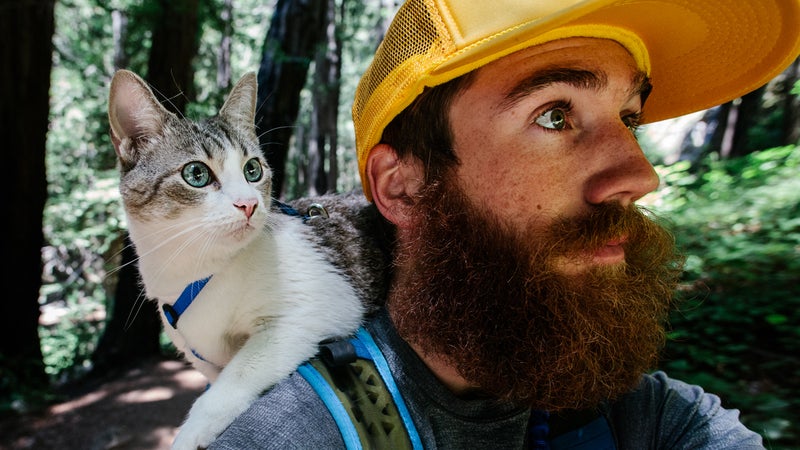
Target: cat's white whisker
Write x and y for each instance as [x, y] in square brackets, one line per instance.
[264, 133]
[120, 267]
[198, 261]
[134, 312]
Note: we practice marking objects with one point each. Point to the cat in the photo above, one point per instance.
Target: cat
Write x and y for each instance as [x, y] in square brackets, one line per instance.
[196, 195]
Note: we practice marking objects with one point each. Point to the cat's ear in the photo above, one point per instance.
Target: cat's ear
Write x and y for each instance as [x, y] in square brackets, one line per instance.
[240, 107]
[134, 112]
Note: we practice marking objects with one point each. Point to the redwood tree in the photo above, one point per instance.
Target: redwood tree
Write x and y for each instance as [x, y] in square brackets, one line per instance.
[295, 32]
[327, 75]
[25, 63]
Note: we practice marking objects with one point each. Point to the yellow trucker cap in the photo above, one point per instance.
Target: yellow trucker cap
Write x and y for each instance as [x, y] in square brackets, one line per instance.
[699, 53]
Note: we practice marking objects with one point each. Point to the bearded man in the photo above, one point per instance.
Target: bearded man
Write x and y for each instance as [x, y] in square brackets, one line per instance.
[529, 292]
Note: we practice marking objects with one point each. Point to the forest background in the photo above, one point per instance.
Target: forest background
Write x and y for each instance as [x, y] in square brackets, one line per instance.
[74, 311]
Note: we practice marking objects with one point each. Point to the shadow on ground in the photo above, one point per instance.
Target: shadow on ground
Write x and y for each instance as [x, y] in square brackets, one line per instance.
[142, 409]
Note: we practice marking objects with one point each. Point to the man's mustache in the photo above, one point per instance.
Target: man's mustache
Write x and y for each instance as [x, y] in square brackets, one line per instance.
[603, 224]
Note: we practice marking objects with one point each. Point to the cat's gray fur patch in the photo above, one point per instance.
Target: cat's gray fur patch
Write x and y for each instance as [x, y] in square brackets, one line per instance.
[351, 238]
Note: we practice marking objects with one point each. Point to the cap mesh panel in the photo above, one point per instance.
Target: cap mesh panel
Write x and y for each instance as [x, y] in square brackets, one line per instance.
[410, 48]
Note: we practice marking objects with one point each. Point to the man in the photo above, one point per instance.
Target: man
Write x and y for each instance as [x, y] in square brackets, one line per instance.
[529, 292]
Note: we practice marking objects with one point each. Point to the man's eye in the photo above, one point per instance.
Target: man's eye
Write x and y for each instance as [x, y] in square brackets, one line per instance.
[633, 121]
[553, 119]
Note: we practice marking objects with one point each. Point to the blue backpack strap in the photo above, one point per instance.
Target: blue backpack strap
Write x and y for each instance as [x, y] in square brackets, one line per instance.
[334, 405]
[364, 338]
[362, 355]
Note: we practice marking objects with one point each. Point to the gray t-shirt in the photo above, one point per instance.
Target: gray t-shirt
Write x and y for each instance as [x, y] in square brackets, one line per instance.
[661, 413]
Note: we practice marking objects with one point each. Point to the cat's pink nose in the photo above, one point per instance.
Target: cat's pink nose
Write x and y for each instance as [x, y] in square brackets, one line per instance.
[247, 206]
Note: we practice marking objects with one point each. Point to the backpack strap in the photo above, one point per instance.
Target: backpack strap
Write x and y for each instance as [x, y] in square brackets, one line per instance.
[354, 381]
[323, 388]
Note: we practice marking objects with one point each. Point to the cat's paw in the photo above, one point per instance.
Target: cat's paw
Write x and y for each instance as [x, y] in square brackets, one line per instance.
[191, 437]
[210, 414]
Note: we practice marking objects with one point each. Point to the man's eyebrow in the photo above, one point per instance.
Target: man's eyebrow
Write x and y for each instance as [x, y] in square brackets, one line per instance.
[579, 78]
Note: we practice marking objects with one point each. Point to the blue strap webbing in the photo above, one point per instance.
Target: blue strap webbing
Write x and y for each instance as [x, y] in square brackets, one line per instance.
[286, 209]
[173, 312]
[596, 435]
[326, 394]
[383, 369]
[366, 348]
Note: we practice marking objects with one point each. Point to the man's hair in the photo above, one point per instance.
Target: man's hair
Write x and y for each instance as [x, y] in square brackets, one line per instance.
[422, 129]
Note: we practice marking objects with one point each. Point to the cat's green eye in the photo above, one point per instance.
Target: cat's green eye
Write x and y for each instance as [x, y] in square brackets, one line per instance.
[196, 174]
[253, 170]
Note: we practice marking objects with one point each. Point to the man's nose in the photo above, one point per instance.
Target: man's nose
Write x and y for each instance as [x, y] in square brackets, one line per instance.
[624, 174]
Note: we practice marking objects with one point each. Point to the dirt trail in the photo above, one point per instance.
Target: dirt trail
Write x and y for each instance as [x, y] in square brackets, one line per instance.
[142, 409]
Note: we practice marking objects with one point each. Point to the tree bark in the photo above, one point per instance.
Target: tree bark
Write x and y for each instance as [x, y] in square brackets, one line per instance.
[224, 56]
[719, 130]
[134, 328]
[748, 110]
[295, 31]
[25, 65]
[119, 30]
[175, 42]
[327, 76]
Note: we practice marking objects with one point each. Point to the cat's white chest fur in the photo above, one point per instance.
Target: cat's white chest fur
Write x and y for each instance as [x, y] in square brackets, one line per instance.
[259, 317]
[277, 280]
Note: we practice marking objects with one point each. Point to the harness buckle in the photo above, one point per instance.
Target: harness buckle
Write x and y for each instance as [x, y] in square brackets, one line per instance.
[171, 315]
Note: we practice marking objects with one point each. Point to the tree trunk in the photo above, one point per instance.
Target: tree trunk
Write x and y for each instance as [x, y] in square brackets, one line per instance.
[175, 42]
[25, 64]
[719, 130]
[295, 31]
[224, 56]
[133, 329]
[132, 332]
[314, 147]
[748, 110]
[119, 30]
[326, 106]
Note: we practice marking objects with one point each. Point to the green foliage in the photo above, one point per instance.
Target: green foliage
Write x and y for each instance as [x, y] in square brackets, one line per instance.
[796, 88]
[83, 228]
[735, 331]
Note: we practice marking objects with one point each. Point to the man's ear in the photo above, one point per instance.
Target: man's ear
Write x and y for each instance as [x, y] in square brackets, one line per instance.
[393, 182]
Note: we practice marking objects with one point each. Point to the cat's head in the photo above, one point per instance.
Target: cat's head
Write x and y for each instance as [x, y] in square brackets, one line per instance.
[186, 182]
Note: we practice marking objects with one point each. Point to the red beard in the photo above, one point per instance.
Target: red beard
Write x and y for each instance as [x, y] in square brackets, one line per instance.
[486, 298]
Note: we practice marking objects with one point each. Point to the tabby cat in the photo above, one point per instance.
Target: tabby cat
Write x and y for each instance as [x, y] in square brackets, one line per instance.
[263, 285]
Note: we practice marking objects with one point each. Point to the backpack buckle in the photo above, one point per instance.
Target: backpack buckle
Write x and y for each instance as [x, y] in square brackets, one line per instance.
[337, 353]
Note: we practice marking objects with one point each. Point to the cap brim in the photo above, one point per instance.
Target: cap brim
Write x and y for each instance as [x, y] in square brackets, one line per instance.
[702, 53]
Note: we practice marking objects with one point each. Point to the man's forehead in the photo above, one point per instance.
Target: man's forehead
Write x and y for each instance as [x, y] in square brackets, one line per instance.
[582, 63]
[575, 53]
